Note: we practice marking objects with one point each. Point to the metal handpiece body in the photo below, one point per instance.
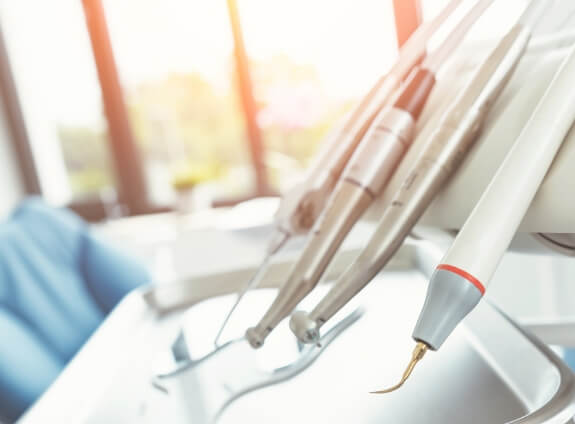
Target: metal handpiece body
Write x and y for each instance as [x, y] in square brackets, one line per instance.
[302, 205]
[385, 144]
[364, 178]
[300, 208]
[442, 153]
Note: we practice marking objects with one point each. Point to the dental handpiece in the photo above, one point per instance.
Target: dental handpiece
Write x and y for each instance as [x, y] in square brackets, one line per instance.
[300, 207]
[364, 178]
[461, 278]
[453, 137]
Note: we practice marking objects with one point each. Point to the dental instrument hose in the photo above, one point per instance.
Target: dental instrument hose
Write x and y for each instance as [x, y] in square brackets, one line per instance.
[453, 137]
[301, 206]
[367, 173]
[299, 209]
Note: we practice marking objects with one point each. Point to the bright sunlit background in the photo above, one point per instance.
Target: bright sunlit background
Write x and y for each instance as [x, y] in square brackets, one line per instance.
[309, 61]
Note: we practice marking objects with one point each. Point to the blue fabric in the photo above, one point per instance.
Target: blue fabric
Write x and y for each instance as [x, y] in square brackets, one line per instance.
[569, 357]
[57, 283]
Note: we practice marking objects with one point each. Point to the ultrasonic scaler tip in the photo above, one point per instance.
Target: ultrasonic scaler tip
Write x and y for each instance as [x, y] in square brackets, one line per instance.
[417, 355]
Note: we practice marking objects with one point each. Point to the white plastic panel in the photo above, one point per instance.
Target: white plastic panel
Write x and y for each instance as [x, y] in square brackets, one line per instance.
[553, 209]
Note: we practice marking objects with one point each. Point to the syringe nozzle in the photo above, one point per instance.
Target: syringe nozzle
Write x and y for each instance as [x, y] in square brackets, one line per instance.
[417, 355]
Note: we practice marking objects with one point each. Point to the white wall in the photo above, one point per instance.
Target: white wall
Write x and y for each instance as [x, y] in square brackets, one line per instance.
[11, 188]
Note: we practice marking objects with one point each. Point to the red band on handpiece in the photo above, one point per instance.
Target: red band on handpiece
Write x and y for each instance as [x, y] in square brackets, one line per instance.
[463, 274]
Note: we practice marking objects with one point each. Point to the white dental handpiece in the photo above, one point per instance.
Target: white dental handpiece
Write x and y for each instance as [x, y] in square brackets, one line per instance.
[454, 135]
[460, 279]
[300, 206]
[364, 178]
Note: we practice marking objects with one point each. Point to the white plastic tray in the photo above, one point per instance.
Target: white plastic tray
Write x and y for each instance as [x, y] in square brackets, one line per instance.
[489, 371]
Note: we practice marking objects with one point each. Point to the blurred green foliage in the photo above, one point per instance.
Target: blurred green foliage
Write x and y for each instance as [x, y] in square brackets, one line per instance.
[182, 117]
[86, 155]
[197, 129]
[190, 176]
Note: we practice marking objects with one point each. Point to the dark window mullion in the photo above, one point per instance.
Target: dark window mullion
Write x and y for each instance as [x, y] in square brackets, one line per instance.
[256, 145]
[16, 124]
[127, 161]
[407, 18]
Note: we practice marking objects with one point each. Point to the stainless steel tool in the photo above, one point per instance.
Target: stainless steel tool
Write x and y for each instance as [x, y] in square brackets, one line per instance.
[447, 146]
[366, 175]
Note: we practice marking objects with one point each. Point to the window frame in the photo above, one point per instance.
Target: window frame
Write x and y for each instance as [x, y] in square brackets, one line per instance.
[14, 119]
[130, 179]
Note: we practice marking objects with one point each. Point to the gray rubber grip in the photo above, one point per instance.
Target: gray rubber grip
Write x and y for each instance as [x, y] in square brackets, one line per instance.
[450, 297]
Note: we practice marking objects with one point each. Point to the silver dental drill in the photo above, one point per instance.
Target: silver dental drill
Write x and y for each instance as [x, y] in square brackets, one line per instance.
[300, 208]
[453, 137]
[364, 178]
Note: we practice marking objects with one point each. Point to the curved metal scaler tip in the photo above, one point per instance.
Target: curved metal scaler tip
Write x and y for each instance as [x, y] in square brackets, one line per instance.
[418, 353]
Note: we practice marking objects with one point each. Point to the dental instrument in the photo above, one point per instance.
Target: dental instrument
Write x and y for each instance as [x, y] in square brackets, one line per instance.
[367, 173]
[301, 206]
[460, 280]
[453, 137]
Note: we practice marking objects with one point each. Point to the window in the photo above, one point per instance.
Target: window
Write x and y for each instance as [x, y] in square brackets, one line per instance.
[178, 97]
[175, 59]
[60, 97]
